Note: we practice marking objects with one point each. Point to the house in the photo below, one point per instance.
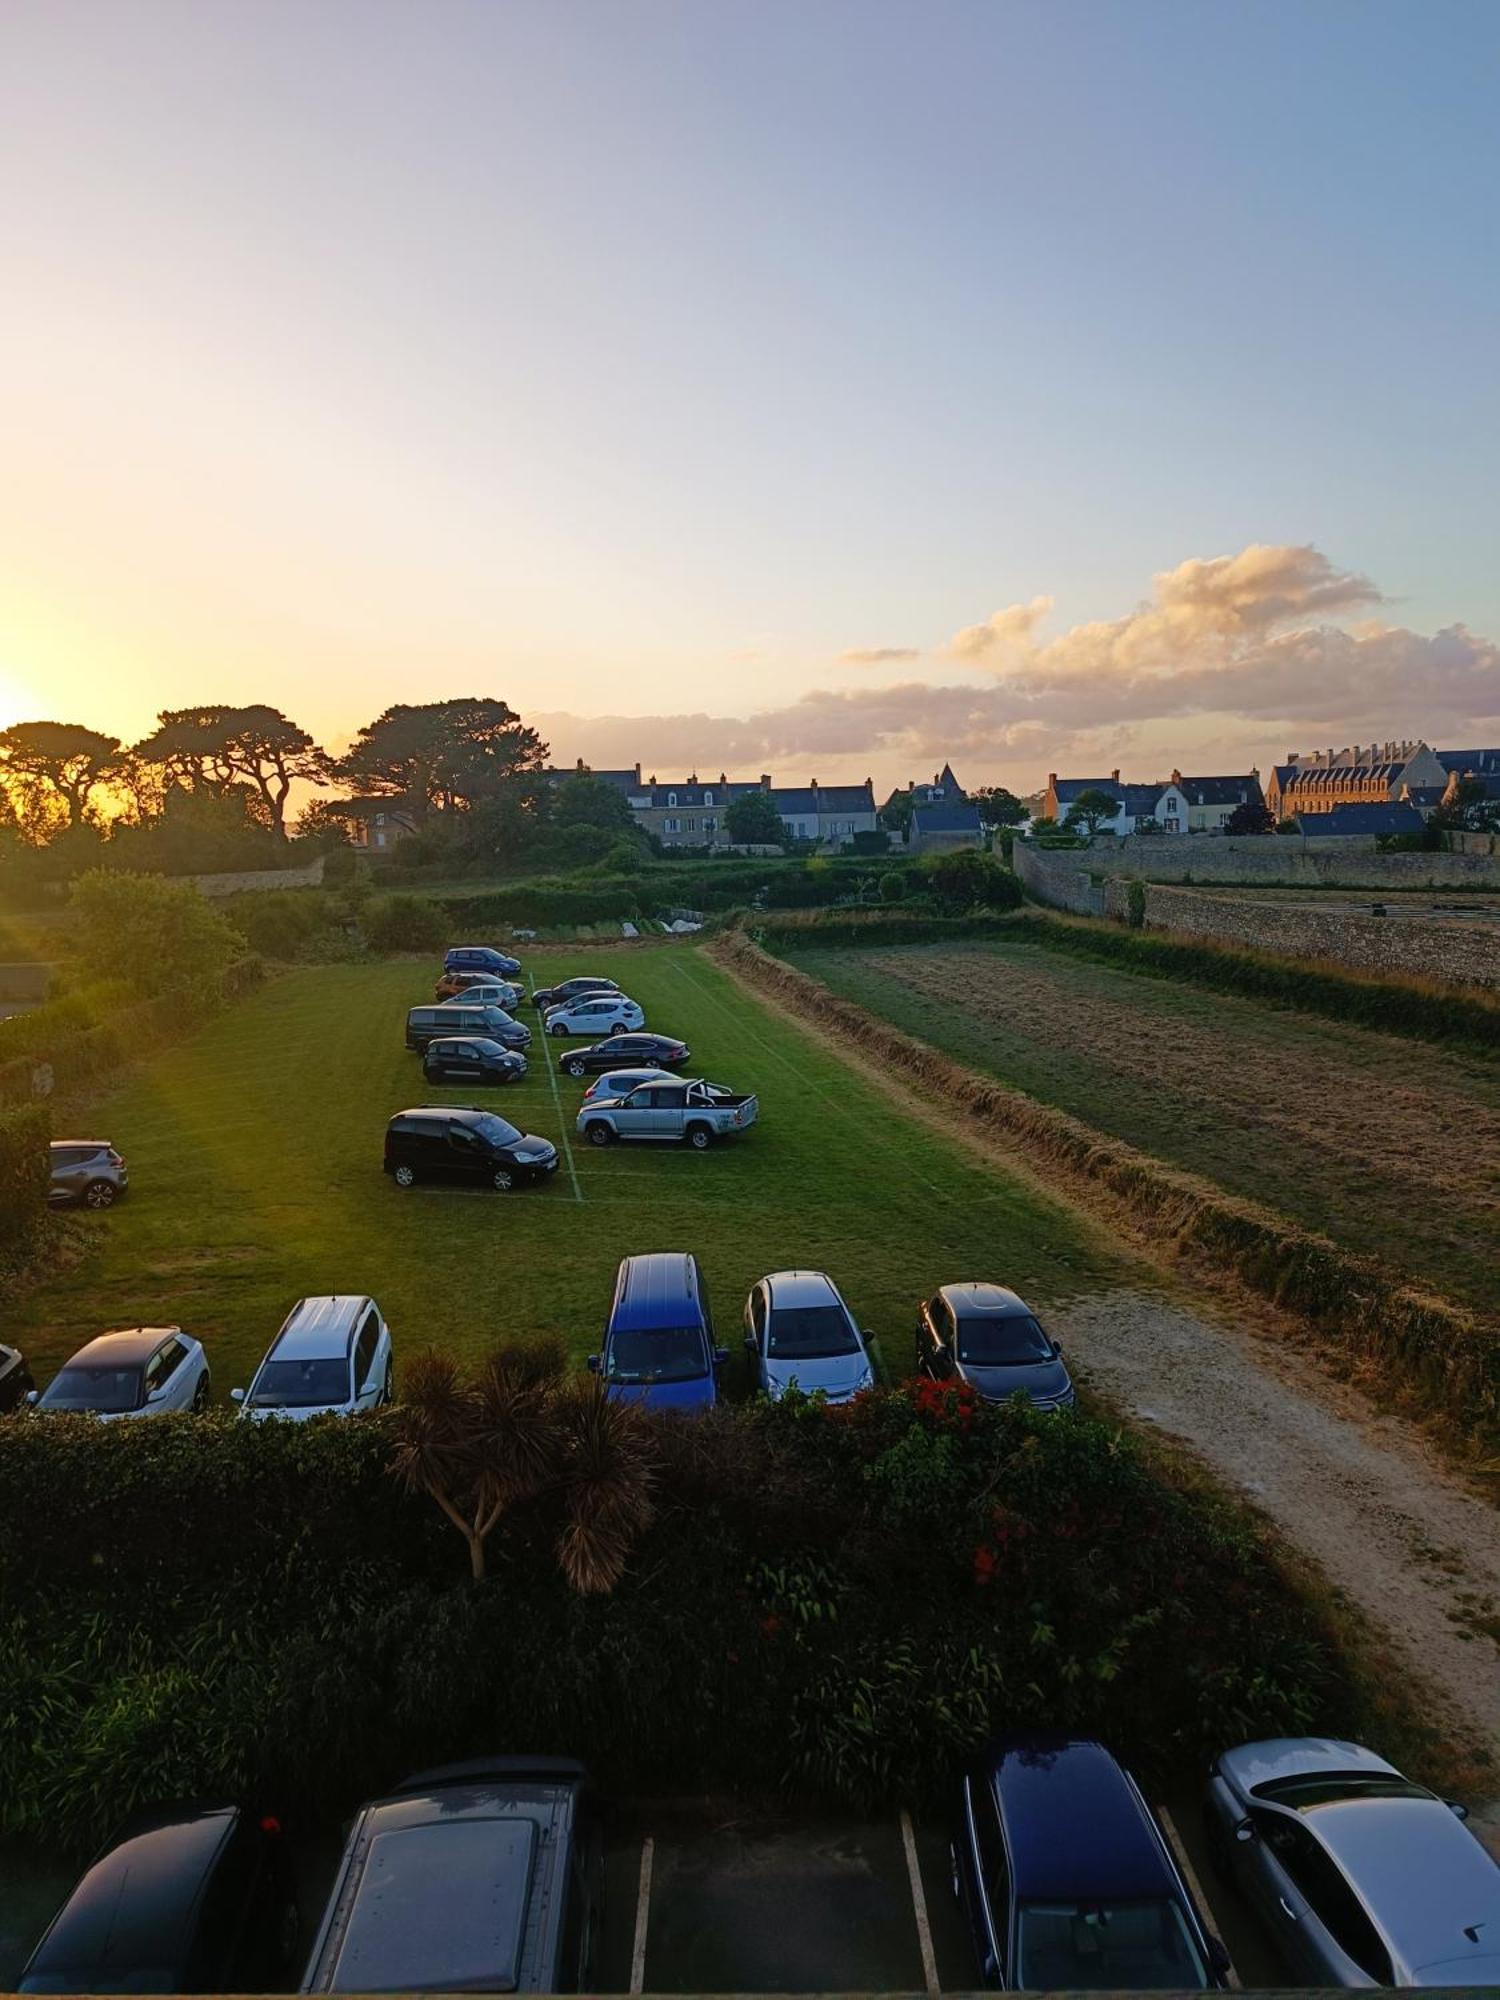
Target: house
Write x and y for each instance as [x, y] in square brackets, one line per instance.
[828, 814]
[1213, 802]
[1487, 782]
[944, 789]
[375, 825]
[623, 781]
[1366, 774]
[938, 829]
[686, 812]
[1164, 804]
[1470, 763]
[1366, 818]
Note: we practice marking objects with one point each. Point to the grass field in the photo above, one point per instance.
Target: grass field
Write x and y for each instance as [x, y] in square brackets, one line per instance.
[1390, 1146]
[255, 1149]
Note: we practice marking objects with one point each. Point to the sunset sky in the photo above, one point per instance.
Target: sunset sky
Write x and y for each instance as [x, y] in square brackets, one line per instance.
[792, 385]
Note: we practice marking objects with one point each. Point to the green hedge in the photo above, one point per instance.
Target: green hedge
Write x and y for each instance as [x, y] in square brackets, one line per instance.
[836, 1603]
[815, 930]
[25, 1131]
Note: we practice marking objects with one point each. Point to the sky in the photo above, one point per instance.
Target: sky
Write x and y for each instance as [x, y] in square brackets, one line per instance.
[800, 386]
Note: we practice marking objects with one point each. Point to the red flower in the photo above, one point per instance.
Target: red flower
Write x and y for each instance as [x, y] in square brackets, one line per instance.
[770, 1625]
[986, 1563]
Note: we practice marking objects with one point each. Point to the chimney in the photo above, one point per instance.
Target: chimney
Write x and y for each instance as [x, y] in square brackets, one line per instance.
[1177, 777]
[765, 781]
[812, 784]
[1114, 776]
[1052, 781]
[722, 779]
[638, 776]
[653, 777]
[580, 764]
[693, 779]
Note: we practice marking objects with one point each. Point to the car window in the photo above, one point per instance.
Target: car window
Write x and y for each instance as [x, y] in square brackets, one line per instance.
[758, 1316]
[364, 1352]
[1002, 1340]
[811, 1333]
[994, 1872]
[668, 1096]
[163, 1364]
[1331, 1899]
[462, 1138]
[1061, 1945]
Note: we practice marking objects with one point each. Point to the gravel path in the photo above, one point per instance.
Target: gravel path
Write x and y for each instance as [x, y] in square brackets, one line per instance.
[1409, 1545]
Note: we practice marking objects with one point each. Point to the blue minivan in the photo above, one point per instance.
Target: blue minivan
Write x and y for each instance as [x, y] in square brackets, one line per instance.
[659, 1340]
[481, 958]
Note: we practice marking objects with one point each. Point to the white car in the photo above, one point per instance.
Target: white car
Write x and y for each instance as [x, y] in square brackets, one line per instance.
[486, 993]
[596, 1014]
[148, 1371]
[332, 1357]
[800, 1334]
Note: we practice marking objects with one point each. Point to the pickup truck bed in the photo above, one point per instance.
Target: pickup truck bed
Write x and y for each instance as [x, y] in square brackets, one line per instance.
[695, 1112]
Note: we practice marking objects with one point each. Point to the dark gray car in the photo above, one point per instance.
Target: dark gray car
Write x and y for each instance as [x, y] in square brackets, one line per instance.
[988, 1337]
[1362, 1878]
[88, 1171]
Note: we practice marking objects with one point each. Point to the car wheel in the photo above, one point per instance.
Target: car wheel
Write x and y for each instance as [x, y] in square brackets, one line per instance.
[557, 1028]
[100, 1194]
[503, 1180]
[699, 1138]
[600, 1134]
[404, 1177]
[201, 1394]
[574, 1066]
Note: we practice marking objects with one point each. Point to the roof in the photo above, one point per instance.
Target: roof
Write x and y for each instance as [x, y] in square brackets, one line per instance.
[651, 1291]
[977, 1298]
[1074, 1823]
[101, 1935]
[956, 816]
[823, 798]
[1424, 795]
[1069, 788]
[1337, 777]
[130, 1348]
[802, 1288]
[1221, 791]
[320, 1329]
[947, 780]
[688, 793]
[390, 805]
[1373, 816]
[1480, 763]
[623, 781]
[1414, 1863]
[1140, 801]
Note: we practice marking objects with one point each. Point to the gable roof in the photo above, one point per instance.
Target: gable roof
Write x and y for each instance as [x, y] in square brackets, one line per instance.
[1369, 817]
[1467, 763]
[1068, 788]
[948, 782]
[1221, 791]
[823, 798]
[685, 795]
[949, 816]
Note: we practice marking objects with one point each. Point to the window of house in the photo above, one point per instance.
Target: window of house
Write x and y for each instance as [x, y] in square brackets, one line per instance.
[708, 798]
[671, 798]
[710, 825]
[692, 824]
[674, 826]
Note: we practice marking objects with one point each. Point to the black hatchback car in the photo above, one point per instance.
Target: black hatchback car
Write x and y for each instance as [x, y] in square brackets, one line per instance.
[471, 1059]
[626, 1052]
[440, 1142]
[573, 989]
[185, 1899]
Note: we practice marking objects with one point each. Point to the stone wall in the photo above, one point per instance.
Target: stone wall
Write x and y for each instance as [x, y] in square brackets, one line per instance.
[1060, 878]
[232, 884]
[1273, 861]
[1460, 950]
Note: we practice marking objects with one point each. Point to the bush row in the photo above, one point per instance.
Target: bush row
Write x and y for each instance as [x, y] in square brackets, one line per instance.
[708, 885]
[811, 930]
[840, 1604]
[1446, 1357]
[25, 1130]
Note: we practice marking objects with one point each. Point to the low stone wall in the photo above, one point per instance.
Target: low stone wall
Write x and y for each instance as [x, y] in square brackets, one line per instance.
[1267, 861]
[1059, 878]
[1455, 949]
[234, 884]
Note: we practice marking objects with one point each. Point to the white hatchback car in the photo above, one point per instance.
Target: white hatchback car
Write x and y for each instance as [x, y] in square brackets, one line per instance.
[799, 1334]
[149, 1371]
[332, 1357]
[596, 1014]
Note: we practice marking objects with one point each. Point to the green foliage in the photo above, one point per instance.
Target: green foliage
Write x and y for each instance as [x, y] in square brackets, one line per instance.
[871, 841]
[407, 923]
[969, 879]
[752, 820]
[998, 807]
[283, 923]
[1091, 809]
[1135, 905]
[810, 930]
[24, 1133]
[584, 800]
[892, 886]
[151, 933]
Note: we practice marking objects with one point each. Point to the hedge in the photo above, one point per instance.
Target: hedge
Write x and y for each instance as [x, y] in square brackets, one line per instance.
[814, 929]
[24, 1135]
[836, 1604]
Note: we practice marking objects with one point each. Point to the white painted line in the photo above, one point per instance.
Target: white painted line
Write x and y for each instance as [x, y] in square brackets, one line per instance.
[642, 1918]
[1191, 1875]
[557, 1100]
[919, 1904]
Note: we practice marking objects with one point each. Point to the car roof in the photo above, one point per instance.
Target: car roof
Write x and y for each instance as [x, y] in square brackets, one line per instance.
[99, 1143]
[133, 1908]
[802, 1288]
[462, 1114]
[1075, 1826]
[320, 1329]
[1419, 1872]
[651, 1290]
[976, 1297]
[130, 1347]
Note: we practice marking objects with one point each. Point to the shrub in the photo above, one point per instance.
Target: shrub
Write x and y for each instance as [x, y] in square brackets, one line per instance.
[24, 1135]
[969, 879]
[407, 923]
[282, 923]
[892, 886]
[150, 932]
[1135, 905]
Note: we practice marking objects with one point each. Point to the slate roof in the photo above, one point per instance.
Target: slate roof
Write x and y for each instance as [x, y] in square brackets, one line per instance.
[1338, 777]
[1481, 763]
[1371, 817]
[1069, 788]
[823, 799]
[951, 816]
[683, 797]
[1221, 791]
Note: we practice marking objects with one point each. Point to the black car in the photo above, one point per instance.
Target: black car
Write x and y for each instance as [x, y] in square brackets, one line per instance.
[15, 1378]
[481, 958]
[440, 1142]
[636, 1051]
[471, 1059]
[184, 1899]
[455, 1018]
[572, 989]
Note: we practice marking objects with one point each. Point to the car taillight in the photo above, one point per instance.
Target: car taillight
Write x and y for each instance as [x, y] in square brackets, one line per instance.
[116, 1159]
[270, 1824]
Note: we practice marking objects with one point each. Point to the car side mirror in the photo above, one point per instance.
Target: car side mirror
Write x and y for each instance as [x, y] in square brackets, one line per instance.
[865, 1334]
[33, 1396]
[236, 1395]
[1458, 1811]
[1244, 1831]
[155, 1395]
[593, 1364]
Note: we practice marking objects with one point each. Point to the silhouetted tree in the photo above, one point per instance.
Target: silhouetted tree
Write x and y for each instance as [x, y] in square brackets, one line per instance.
[1250, 816]
[53, 768]
[753, 821]
[584, 800]
[1090, 810]
[441, 756]
[219, 745]
[998, 807]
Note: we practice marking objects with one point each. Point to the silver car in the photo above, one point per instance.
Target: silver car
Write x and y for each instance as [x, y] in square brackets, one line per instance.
[800, 1334]
[146, 1371]
[89, 1171]
[1363, 1878]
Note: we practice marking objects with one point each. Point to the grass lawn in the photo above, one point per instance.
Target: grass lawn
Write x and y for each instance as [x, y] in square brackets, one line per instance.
[1388, 1145]
[255, 1150]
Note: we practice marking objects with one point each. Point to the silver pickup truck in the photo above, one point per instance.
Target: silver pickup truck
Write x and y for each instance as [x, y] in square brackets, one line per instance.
[696, 1111]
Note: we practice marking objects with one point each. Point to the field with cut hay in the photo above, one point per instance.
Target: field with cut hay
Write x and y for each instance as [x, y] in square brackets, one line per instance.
[1389, 1146]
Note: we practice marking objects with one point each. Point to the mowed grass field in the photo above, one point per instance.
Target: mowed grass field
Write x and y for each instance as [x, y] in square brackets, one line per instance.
[255, 1158]
[1388, 1145]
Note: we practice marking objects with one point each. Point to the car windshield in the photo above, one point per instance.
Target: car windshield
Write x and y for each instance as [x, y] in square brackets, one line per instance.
[1002, 1340]
[1087, 1946]
[671, 1354]
[108, 1390]
[301, 1385]
[496, 1130]
[811, 1333]
[1327, 1788]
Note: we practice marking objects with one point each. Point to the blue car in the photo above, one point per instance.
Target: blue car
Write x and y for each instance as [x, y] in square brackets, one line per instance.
[1067, 1879]
[481, 958]
[659, 1342]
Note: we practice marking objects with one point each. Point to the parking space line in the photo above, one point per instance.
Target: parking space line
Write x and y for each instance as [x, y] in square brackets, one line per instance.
[1195, 1886]
[642, 1918]
[919, 1904]
[557, 1100]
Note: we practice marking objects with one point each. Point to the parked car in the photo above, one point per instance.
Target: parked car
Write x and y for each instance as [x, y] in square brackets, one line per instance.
[479, 989]
[480, 1877]
[333, 1356]
[800, 1334]
[1067, 1879]
[89, 1171]
[481, 958]
[423, 1024]
[621, 1051]
[986, 1336]
[1363, 1878]
[184, 1899]
[15, 1378]
[698, 1112]
[620, 1082]
[572, 989]
[597, 1014]
[659, 1338]
[148, 1371]
[471, 1059]
[444, 1143]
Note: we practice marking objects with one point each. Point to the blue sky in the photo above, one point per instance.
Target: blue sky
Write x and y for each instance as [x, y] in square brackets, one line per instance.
[643, 360]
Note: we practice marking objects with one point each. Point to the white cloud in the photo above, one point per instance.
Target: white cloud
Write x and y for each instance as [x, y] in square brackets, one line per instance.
[878, 656]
